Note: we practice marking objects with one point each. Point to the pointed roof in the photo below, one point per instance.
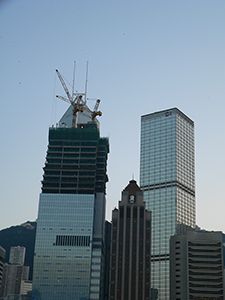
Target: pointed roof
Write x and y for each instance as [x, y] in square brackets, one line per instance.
[132, 187]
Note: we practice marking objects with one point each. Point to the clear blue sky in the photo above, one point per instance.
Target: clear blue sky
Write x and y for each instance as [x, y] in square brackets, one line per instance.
[144, 56]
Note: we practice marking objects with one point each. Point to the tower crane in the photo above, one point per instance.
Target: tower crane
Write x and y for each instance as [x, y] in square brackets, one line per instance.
[74, 102]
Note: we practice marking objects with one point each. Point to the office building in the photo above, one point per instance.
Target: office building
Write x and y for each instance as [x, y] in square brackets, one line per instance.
[26, 288]
[167, 179]
[69, 248]
[2, 259]
[14, 273]
[130, 259]
[17, 255]
[196, 266]
[108, 229]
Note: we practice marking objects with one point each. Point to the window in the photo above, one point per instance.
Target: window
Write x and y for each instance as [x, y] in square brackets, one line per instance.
[72, 240]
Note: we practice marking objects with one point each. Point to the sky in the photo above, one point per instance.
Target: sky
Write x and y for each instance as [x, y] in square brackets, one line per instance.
[144, 56]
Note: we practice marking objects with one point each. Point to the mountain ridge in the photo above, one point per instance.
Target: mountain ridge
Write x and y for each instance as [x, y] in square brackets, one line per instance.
[20, 235]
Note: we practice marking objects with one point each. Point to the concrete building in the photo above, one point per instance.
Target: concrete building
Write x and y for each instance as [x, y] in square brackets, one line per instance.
[69, 248]
[196, 266]
[14, 273]
[17, 255]
[167, 179]
[26, 287]
[2, 259]
[130, 263]
[108, 228]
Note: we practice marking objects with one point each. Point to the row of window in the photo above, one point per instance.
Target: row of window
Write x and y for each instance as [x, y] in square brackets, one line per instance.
[72, 240]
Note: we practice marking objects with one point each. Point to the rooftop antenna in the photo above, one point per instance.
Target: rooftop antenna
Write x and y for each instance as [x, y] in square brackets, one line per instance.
[133, 176]
[74, 70]
[85, 97]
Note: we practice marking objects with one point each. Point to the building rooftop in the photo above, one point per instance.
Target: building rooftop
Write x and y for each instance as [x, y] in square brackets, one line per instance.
[132, 187]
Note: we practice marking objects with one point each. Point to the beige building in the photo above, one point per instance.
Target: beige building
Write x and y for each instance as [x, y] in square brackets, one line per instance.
[130, 257]
[196, 266]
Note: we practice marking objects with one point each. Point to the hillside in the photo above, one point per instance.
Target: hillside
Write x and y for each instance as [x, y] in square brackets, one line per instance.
[20, 235]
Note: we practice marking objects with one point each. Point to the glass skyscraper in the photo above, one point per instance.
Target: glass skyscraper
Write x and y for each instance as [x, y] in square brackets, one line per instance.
[167, 178]
[69, 247]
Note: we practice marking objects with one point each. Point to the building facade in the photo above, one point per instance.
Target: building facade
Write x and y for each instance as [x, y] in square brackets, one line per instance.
[17, 255]
[130, 259]
[69, 248]
[108, 228]
[196, 266]
[167, 179]
[14, 274]
[2, 259]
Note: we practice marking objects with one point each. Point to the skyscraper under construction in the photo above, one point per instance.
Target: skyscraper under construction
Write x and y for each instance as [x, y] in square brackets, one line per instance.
[69, 249]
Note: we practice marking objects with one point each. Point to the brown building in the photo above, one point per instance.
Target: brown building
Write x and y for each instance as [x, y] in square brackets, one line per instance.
[130, 259]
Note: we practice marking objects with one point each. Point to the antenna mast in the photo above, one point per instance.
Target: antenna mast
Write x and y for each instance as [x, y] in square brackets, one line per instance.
[85, 97]
[74, 70]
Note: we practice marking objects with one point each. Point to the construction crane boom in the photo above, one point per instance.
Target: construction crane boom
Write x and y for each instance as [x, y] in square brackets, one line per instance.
[95, 112]
[74, 102]
[64, 86]
[63, 98]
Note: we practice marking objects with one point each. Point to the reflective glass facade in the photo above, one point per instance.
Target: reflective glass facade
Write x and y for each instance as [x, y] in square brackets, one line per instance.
[62, 270]
[167, 178]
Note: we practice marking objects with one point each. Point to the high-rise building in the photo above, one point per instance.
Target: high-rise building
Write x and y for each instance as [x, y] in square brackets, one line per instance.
[130, 259]
[14, 274]
[17, 255]
[69, 248]
[196, 266]
[2, 259]
[108, 227]
[167, 179]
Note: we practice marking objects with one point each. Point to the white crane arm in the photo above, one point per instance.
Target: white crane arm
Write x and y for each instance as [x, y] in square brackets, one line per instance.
[63, 98]
[96, 105]
[64, 86]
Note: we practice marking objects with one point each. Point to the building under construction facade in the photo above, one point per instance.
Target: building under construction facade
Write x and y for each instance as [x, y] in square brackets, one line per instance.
[69, 249]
